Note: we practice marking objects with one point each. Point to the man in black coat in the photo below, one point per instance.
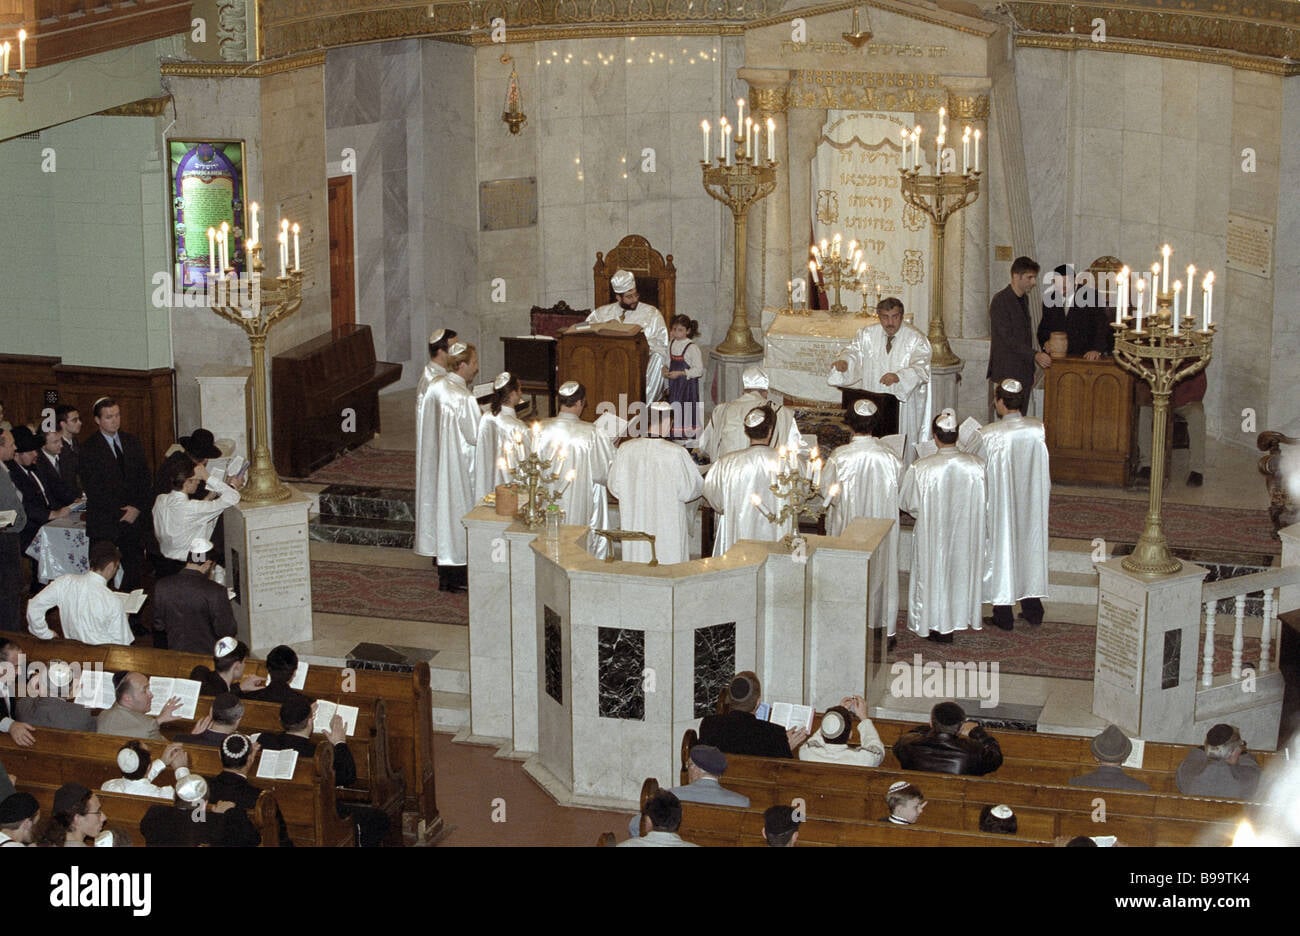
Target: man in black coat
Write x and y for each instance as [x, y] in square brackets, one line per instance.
[67, 422]
[950, 744]
[193, 820]
[739, 732]
[189, 608]
[1087, 327]
[1011, 331]
[41, 503]
[281, 664]
[50, 469]
[119, 492]
[238, 755]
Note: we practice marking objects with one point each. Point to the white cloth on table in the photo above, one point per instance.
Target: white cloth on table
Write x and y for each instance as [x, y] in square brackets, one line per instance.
[654, 481]
[725, 432]
[426, 460]
[908, 359]
[729, 487]
[88, 610]
[179, 520]
[495, 432]
[868, 475]
[651, 322]
[455, 417]
[588, 453]
[945, 493]
[1019, 484]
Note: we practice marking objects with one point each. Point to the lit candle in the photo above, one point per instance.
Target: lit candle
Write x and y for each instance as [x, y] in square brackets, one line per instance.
[4, 59]
[212, 249]
[726, 145]
[965, 151]
[906, 136]
[812, 268]
[1155, 287]
[1165, 251]
[284, 251]
[749, 137]
[938, 154]
[771, 140]
[1191, 286]
[1119, 296]
[977, 151]
[916, 147]
[816, 252]
[297, 267]
[1178, 290]
[1209, 300]
[256, 228]
[1141, 291]
[943, 112]
[758, 134]
[22, 50]
[225, 246]
[704, 125]
[740, 114]
[835, 247]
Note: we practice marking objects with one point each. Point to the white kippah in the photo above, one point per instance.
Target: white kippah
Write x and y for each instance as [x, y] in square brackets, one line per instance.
[864, 408]
[437, 335]
[502, 379]
[199, 549]
[1011, 385]
[1001, 812]
[236, 745]
[947, 420]
[59, 673]
[661, 406]
[622, 282]
[832, 724]
[569, 388]
[754, 378]
[458, 348]
[755, 417]
[898, 785]
[225, 646]
[97, 402]
[128, 761]
[192, 789]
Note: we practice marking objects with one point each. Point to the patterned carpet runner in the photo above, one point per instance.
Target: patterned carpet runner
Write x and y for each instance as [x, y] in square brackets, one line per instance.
[383, 592]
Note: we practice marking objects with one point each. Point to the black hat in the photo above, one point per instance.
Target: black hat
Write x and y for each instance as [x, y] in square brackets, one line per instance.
[69, 796]
[779, 820]
[200, 444]
[1112, 746]
[17, 807]
[25, 440]
[295, 711]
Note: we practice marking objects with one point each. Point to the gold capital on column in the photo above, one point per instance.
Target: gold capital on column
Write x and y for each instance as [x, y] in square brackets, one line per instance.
[968, 106]
[767, 102]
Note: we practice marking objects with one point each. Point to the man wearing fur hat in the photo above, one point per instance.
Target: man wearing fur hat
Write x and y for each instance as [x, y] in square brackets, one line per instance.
[650, 320]
[1019, 491]
[1111, 748]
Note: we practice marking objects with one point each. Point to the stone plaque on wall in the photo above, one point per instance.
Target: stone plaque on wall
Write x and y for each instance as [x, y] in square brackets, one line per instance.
[621, 673]
[1120, 637]
[507, 203]
[1250, 246]
[279, 573]
[715, 664]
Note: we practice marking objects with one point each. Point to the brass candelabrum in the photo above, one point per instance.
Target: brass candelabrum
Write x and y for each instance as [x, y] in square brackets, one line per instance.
[1162, 359]
[837, 271]
[939, 197]
[799, 494]
[532, 477]
[244, 300]
[13, 82]
[738, 184]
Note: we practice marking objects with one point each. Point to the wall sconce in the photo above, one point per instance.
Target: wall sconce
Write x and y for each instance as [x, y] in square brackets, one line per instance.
[11, 84]
[513, 115]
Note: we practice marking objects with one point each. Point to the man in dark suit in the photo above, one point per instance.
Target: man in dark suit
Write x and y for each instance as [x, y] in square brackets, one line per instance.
[20, 732]
[949, 744]
[281, 664]
[119, 493]
[1011, 331]
[190, 611]
[50, 469]
[41, 503]
[11, 551]
[1087, 327]
[238, 755]
[67, 421]
[739, 732]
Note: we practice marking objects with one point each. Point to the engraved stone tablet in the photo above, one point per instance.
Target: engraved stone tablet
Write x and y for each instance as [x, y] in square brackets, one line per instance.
[279, 571]
[507, 203]
[1250, 246]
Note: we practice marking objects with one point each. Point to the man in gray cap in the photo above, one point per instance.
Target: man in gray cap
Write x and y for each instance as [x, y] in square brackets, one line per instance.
[705, 765]
[630, 309]
[1222, 768]
[1111, 748]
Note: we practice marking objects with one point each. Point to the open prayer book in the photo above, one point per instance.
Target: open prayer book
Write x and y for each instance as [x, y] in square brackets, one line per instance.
[7, 517]
[164, 687]
[968, 440]
[223, 469]
[299, 676]
[132, 602]
[277, 765]
[792, 715]
[96, 689]
[325, 712]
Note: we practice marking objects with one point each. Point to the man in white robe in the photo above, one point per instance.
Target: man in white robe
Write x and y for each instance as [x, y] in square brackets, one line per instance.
[454, 421]
[867, 473]
[1019, 491]
[655, 481]
[725, 432]
[588, 453]
[894, 358]
[426, 443]
[734, 481]
[945, 493]
[497, 431]
[650, 320]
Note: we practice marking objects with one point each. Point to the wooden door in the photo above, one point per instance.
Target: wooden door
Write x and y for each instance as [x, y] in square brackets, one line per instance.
[343, 306]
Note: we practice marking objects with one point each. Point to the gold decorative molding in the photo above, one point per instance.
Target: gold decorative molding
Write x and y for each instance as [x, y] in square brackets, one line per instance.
[957, 22]
[968, 106]
[242, 69]
[146, 107]
[888, 91]
[550, 34]
[1230, 59]
[767, 102]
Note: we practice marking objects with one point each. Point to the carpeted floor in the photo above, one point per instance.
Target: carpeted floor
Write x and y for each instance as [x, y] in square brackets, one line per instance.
[369, 466]
[384, 592]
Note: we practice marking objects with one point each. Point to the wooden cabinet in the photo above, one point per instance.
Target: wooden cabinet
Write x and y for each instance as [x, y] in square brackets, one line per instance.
[1088, 414]
[608, 365]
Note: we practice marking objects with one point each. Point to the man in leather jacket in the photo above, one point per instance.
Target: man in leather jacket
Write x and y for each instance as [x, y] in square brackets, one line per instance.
[949, 745]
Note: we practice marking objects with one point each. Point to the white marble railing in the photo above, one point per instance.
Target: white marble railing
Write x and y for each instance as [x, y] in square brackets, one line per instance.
[1268, 583]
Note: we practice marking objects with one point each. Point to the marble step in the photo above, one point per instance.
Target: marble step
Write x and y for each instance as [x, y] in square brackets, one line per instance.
[451, 679]
[357, 501]
[363, 531]
[450, 710]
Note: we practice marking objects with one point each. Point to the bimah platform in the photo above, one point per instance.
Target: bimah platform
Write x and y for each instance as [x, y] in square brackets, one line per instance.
[609, 359]
[1088, 415]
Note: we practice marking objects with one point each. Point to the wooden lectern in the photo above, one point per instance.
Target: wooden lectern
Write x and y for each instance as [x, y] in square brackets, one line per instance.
[609, 359]
[1088, 415]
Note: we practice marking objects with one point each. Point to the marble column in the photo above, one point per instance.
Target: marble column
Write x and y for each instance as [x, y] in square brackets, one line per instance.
[268, 566]
[768, 265]
[223, 403]
[967, 295]
[491, 707]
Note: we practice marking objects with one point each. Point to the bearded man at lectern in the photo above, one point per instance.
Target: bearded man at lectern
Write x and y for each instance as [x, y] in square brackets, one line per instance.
[650, 320]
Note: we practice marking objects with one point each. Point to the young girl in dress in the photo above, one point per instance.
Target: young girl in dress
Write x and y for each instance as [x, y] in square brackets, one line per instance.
[685, 368]
[495, 430]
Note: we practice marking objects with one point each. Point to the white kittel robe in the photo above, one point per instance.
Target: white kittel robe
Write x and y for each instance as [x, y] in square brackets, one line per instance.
[494, 432]
[725, 432]
[454, 418]
[868, 474]
[651, 322]
[945, 493]
[655, 480]
[728, 488]
[909, 358]
[1019, 492]
[426, 460]
[589, 452]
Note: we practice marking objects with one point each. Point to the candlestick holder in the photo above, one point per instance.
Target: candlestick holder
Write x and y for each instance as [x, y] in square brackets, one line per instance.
[838, 272]
[939, 197]
[1162, 359]
[738, 186]
[12, 85]
[799, 495]
[256, 310]
[531, 477]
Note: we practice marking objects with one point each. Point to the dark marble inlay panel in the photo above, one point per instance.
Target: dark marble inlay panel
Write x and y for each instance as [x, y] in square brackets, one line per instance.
[1222, 565]
[1173, 650]
[351, 500]
[620, 672]
[554, 663]
[715, 664]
